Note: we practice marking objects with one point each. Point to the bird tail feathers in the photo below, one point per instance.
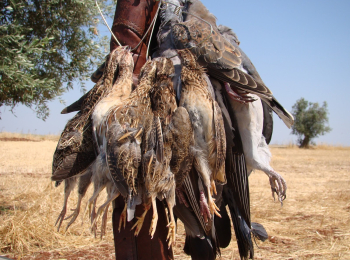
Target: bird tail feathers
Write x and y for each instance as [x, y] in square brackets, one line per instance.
[286, 117]
[259, 231]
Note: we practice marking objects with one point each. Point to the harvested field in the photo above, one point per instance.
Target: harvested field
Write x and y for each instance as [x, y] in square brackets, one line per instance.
[314, 222]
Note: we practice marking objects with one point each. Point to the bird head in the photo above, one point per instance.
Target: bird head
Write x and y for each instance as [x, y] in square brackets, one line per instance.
[187, 59]
[171, 10]
[126, 61]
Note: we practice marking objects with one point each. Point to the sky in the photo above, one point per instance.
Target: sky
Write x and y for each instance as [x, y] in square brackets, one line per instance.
[300, 49]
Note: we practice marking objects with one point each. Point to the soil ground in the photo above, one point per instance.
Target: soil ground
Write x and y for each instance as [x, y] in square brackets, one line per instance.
[314, 222]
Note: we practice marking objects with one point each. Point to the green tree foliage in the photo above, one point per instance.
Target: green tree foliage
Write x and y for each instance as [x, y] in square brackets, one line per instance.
[311, 121]
[45, 46]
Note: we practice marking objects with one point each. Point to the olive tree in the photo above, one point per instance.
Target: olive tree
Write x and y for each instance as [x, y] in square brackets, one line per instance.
[45, 46]
[311, 120]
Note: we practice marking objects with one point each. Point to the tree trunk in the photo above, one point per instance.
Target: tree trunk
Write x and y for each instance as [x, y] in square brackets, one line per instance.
[305, 143]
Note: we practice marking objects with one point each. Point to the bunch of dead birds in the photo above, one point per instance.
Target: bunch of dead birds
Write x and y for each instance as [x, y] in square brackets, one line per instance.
[188, 134]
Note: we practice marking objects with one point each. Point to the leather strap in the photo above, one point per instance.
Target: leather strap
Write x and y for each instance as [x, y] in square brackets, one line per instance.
[131, 20]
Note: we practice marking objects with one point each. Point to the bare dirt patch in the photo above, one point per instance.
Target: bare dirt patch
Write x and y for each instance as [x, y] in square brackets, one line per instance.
[314, 222]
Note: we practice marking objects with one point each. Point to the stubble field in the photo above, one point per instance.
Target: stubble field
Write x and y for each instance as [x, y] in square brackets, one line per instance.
[314, 222]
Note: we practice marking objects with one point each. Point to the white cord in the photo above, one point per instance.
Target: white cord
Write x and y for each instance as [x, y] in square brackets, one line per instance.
[115, 38]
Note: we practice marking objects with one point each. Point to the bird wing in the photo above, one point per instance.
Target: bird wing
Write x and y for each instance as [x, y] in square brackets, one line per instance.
[214, 52]
[268, 122]
[248, 67]
[103, 78]
[75, 150]
[190, 185]
[236, 171]
[220, 144]
[182, 134]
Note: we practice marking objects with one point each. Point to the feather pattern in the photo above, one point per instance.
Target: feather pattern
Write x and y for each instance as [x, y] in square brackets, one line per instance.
[75, 149]
[206, 119]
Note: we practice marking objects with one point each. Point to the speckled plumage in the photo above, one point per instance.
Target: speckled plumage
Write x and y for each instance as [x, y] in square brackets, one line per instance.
[222, 59]
[75, 149]
[209, 135]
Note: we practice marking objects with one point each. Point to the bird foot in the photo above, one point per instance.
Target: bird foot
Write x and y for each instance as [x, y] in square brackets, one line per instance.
[138, 225]
[153, 226]
[278, 186]
[171, 234]
[99, 213]
[212, 206]
[122, 218]
[104, 221]
[93, 221]
[60, 218]
[242, 98]
[74, 216]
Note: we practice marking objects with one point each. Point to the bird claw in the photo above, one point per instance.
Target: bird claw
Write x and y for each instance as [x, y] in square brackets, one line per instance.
[60, 218]
[122, 218]
[278, 186]
[138, 225]
[208, 207]
[171, 234]
[213, 208]
[74, 216]
[153, 226]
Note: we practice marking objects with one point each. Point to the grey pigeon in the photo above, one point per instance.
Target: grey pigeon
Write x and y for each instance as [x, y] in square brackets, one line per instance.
[250, 119]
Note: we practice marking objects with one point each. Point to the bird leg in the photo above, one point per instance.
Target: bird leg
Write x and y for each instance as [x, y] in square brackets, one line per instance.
[106, 204]
[212, 206]
[122, 218]
[208, 207]
[204, 206]
[239, 97]
[213, 188]
[171, 232]
[140, 220]
[93, 217]
[104, 221]
[278, 185]
[62, 214]
[153, 227]
[64, 209]
[75, 213]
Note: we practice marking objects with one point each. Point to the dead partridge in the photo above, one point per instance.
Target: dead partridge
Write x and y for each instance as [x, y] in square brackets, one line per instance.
[159, 179]
[209, 135]
[126, 125]
[75, 150]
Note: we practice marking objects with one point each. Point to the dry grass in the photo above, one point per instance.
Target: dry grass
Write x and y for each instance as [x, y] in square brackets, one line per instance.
[314, 222]
[6, 136]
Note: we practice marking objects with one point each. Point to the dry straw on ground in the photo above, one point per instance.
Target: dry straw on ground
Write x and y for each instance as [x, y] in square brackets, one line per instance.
[314, 222]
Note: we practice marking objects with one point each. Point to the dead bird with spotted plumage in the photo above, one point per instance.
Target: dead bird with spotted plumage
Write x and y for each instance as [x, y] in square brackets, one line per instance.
[157, 153]
[76, 151]
[122, 131]
[207, 122]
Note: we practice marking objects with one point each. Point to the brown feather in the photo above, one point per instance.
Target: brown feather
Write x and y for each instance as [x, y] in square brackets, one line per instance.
[220, 175]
